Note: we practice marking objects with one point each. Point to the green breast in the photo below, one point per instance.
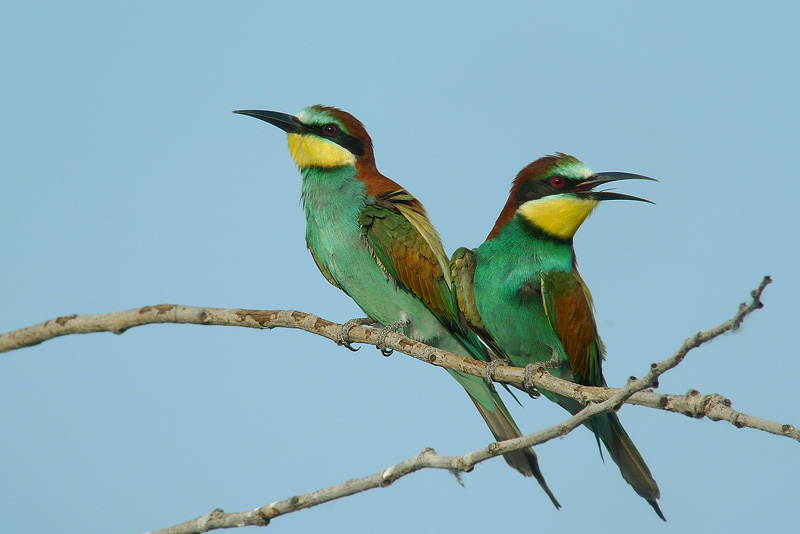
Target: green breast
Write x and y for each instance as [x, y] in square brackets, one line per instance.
[508, 295]
[332, 201]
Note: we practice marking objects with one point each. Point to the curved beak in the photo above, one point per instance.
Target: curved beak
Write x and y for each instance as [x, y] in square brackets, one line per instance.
[585, 189]
[284, 121]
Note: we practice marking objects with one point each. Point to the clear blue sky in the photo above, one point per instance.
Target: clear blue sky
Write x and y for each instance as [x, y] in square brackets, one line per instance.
[127, 181]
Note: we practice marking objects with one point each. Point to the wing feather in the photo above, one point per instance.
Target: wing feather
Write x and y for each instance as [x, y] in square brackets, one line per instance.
[406, 245]
[568, 306]
[462, 272]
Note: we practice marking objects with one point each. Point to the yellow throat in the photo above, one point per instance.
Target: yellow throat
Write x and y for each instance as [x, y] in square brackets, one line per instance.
[312, 151]
[558, 215]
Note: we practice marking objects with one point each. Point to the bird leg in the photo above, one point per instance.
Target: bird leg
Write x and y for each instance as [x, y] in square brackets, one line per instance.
[344, 335]
[527, 378]
[553, 363]
[491, 367]
[397, 325]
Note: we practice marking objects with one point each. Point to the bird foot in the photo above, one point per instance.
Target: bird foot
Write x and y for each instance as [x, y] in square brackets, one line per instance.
[553, 363]
[344, 334]
[490, 370]
[397, 325]
[527, 378]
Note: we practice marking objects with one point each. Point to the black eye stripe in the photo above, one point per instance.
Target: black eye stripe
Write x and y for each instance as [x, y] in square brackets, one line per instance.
[339, 137]
[535, 189]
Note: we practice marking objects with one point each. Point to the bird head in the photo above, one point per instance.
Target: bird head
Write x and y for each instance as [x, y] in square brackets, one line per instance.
[321, 136]
[557, 193]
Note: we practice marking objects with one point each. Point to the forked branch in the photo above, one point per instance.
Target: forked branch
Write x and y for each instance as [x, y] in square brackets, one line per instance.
[597, 399]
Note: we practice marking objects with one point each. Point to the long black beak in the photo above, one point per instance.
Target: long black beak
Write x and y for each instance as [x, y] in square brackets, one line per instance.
[287, 123]
[585, 189]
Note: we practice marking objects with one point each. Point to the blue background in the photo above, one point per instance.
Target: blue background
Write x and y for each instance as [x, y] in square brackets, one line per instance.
[127, 181]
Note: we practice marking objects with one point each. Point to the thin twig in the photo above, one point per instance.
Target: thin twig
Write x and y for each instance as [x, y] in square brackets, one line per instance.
[427, 459]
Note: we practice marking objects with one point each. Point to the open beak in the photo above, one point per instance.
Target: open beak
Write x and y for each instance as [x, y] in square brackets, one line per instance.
[586, 189]
[287, 123]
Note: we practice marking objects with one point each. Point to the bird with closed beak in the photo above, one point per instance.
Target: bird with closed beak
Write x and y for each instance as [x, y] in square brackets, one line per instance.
[373, 240]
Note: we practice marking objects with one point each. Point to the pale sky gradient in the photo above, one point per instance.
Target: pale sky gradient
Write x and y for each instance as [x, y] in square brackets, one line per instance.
[127, 181]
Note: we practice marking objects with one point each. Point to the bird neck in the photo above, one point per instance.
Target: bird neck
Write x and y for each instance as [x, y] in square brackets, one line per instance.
[331, 191]
[538, 250]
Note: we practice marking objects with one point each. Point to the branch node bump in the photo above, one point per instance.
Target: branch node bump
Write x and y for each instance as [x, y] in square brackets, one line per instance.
[429, 355]
[388, 477]
[462, 466]
[61, 321]
[266, 512]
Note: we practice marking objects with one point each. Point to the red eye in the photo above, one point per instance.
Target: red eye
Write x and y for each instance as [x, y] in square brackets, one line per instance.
[330, 129]
[556, 181]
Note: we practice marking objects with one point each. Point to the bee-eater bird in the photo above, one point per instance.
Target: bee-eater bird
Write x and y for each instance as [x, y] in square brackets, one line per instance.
[373, 240]
[521, 292]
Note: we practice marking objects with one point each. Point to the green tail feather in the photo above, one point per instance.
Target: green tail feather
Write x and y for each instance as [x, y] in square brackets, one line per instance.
[523, 460]
[492, 409]
[608, 429]
[631, 464]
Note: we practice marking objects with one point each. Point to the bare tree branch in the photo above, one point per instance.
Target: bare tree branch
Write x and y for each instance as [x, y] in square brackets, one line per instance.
[597, 399]
[692, 404]
[427, 459]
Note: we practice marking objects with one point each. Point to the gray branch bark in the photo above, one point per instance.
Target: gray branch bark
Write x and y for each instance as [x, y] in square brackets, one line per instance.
[596, 399]
[692, 404]
[427, 459]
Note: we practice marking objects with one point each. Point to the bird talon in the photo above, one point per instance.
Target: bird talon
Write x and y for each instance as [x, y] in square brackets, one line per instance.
[491, 367]
[552, 363]
[397, 325]
[344, 334]
[526, 381]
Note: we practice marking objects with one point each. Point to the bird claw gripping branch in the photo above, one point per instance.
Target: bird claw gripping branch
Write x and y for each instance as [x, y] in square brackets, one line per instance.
[344, 334]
